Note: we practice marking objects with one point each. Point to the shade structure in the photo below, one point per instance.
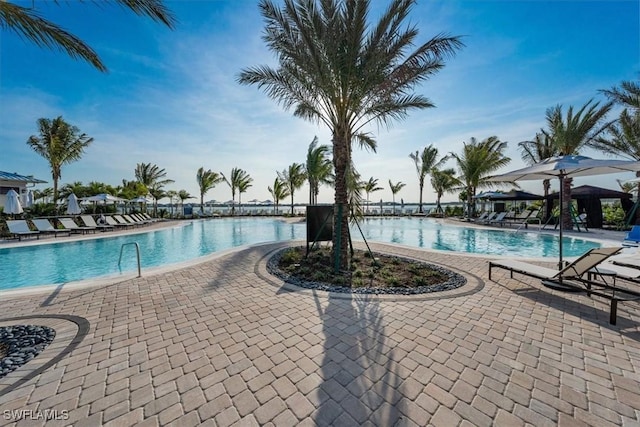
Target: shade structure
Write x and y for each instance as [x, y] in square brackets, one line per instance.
[104, 197]
[73, 207]
[562, 167]
[12, 205]
[515, 195]
[140, 199]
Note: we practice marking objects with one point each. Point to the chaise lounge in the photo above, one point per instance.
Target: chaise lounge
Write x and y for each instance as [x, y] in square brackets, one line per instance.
[19, 228]
[43, 225]
[574, 277]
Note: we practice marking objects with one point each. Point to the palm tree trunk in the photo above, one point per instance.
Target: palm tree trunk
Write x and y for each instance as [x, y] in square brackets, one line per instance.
[292, 202]
[421, 188]
[341, 222]
[566, 203]
[202, 203]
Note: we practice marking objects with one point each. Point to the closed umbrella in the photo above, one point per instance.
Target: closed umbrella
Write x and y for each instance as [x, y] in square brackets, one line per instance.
[73, 207]
[562, 167]
[13, 206]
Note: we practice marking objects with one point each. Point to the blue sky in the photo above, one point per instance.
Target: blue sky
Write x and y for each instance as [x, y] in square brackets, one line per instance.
[171, 97]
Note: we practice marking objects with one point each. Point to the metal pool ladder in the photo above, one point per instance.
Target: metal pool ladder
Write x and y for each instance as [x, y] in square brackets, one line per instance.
[137, 255]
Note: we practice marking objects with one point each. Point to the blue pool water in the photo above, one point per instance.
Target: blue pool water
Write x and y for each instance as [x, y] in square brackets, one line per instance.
[56, 263]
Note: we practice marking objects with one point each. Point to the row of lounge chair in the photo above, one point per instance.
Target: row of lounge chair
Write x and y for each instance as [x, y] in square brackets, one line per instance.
[597, 272]
[20, 228]
[507, 218]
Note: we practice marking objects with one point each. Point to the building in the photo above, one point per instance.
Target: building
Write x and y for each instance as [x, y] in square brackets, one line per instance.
[19, 183]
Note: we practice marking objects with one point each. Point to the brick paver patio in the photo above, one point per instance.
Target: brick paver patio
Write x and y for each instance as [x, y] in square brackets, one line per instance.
[223, 343]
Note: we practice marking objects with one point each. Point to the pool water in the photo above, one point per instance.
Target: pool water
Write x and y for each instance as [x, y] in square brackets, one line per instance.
[57, 263]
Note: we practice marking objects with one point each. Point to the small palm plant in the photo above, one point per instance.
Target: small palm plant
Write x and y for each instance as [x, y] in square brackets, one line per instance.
[371, 186]
[293, 178]
[279, 192]
[395, 189]
[207, 179]
[425, 161]
[238, 180]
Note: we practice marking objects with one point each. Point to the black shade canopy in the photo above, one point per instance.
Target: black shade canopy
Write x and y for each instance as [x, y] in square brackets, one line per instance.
[515, 195]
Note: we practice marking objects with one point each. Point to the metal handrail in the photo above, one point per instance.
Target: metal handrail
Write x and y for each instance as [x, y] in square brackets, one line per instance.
[525, 224]
[137, 255]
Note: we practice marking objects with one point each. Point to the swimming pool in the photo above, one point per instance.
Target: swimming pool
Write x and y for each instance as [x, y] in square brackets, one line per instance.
[56, 263]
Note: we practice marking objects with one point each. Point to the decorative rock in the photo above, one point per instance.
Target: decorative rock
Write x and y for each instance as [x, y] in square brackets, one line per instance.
[24, 342]
[455, 280]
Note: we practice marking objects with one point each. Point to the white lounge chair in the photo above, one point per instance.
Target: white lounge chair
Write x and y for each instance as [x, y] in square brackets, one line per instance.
[71, 225]
[19, 228]
[90, 222]
[43, 225]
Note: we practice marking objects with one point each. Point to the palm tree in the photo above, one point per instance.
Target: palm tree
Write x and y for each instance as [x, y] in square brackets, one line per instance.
[76, 187]
[172, 195]
[206, 181]
[279, 192]
[29, 25]
[318, 169]
[184, 195]
[536, 151]
[395, 189]
[154, 179]
[338, 69]
[628, 94]
[293, 178]
[477, 162]
[157, 192]
[443, 181]
[571, 133]
[42, 194]
[371, 186]
[238, 180]
[59, 143]
[424, 162]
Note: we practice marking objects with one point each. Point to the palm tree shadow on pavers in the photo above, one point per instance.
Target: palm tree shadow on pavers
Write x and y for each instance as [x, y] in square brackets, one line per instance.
[360, 376]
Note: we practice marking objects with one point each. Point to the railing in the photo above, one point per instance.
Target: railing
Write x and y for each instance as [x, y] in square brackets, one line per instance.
[525, 224]
[137, 255]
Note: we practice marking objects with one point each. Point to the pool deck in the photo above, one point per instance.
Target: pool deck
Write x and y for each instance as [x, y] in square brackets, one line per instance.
[224, 343]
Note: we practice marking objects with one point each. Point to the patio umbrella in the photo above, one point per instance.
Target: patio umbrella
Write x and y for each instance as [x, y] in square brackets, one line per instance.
[12, 205]
[562, 167]
[104, 197]
[140, 199]
[73, 207]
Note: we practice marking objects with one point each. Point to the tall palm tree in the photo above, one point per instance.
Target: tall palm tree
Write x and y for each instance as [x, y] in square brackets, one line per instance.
[279, 191]
[207, 179]
[443, 181]
[424, 162]
[184, 195]
[337, 68]
[293, 178]
[572, 132]
[395, 189]
[154, 179]
[371, 186]
[477, 162]
[318, 169]
[59, 143]
[238, 180]
[29, 25]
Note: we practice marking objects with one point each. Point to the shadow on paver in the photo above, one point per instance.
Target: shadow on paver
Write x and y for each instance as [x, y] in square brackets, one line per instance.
[360, 382]
[584, 311]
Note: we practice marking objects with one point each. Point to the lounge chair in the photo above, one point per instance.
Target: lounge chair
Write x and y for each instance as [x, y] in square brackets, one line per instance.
[482, 217]
[114, 223]
[90, 222]
[581, 220]
[43, 225]
[501, 218]
[576, 276]
[121, 220]
[633, 237]
[134, 220]
[19, 228]
[489, 217]
[71, 225]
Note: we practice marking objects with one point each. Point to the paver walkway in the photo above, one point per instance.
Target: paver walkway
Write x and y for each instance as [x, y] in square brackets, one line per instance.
[223, 343]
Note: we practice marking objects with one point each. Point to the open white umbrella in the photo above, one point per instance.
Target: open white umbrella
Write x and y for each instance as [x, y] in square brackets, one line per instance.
[562, 167]
[12, 205]
[104, 197]
[140, 199]
[73, 207]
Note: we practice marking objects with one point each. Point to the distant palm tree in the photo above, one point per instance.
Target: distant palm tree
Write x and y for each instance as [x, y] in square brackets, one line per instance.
[318, 169]
[627, 187]
[477, 162]
[184, 195]
[424, 162]
[76, 187]
[573, 132]
[371, 186]
[293, 178]
[154, 179]
[42, 194]
[172, 195]
[279, 192]
[443, 181]
[59, 143]
[238, 180]
[29, 25]
[207, 179]
[535, 151]
[395, 189]
[338, 69]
